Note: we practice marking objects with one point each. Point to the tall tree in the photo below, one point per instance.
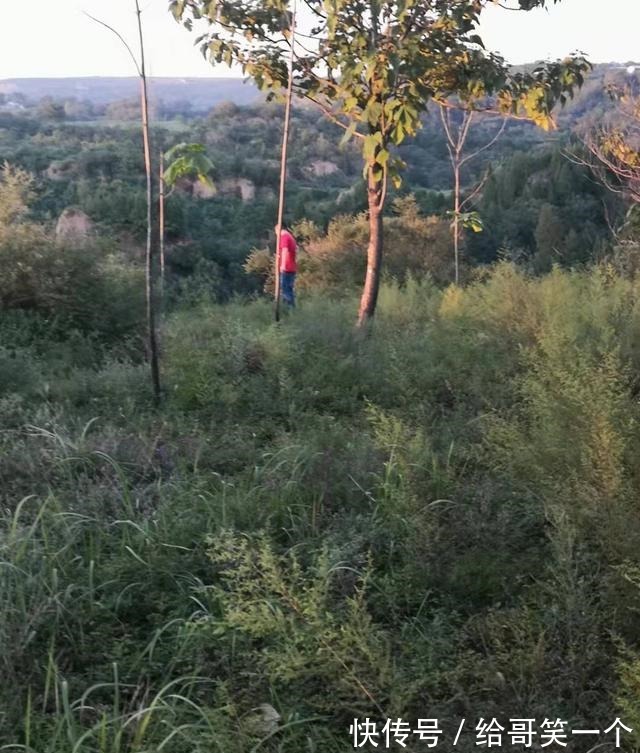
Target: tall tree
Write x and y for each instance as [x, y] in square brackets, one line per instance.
[550, 234]
[149, 256]
[372, 66]
[152, 339]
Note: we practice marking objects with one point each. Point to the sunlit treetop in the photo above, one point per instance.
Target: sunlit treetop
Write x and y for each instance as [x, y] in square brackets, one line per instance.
[374, 65]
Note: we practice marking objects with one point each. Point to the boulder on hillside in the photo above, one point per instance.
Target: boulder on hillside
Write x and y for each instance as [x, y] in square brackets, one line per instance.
[243, 188]
[320, 168]
[61, 170]
[203, 190]
[74, 225]
[196, 188]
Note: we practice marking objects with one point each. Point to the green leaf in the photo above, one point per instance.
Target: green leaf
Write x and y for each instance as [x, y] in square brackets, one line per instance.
[348, 134]
[369, 147]
[382, 157]
[188, 161]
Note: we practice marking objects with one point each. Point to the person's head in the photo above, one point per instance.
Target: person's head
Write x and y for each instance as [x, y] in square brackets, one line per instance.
[284, 226]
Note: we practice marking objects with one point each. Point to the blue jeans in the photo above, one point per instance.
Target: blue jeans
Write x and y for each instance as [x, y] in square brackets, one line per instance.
[287, 281]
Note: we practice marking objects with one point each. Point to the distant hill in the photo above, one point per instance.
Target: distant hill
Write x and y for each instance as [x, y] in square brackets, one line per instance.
[201, 93]
[198, 95]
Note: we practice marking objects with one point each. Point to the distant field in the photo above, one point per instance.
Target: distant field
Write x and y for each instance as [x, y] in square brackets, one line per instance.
[169, 125]
[199, 93]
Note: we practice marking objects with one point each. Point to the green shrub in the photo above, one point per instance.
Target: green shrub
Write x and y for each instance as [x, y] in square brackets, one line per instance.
[85, 286]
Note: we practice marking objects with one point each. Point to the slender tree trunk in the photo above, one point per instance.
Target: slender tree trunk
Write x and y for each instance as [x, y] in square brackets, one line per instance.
[150, 291]
[161, 225]
[456, 224]
[369, 298]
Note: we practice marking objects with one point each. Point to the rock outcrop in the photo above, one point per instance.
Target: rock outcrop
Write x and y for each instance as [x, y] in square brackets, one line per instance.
[202, 190]
[243, 188]
[74, 225]
[61, 170]
[320, 168]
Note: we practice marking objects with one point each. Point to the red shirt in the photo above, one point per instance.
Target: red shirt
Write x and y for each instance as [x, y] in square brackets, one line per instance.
[288, 248]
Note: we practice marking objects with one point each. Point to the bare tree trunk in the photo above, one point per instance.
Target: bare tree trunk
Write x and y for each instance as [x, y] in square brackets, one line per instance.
[150, 292]
[375, 194]
[161, 225]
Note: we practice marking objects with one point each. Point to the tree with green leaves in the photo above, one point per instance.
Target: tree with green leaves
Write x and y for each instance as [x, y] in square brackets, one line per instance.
[187, 161]
[184, 162]
[549, 235]
[49, 109]
[372, 67]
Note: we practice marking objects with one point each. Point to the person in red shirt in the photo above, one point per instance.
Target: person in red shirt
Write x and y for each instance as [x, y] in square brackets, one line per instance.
[288, 264]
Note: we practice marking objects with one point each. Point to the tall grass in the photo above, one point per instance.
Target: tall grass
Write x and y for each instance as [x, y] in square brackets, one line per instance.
[439, 517]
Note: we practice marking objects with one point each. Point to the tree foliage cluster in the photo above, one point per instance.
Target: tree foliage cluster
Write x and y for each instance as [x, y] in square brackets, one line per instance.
[540, 209]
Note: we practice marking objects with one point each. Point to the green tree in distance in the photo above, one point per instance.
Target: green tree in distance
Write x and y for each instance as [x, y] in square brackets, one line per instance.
[373, 66]
[550, 234]
[16, 193]
[185, 161]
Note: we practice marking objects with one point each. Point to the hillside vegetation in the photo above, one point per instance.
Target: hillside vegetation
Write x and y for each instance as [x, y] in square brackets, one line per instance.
[431, 517]
[537, 207]
[439, 518]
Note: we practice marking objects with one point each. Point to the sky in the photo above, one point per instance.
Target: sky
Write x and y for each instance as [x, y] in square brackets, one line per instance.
[61, 41]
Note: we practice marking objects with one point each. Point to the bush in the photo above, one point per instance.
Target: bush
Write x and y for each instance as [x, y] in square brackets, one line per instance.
[87, 286]
[414, 247]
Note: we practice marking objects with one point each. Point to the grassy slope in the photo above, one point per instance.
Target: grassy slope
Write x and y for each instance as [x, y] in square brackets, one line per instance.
[438, 520]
